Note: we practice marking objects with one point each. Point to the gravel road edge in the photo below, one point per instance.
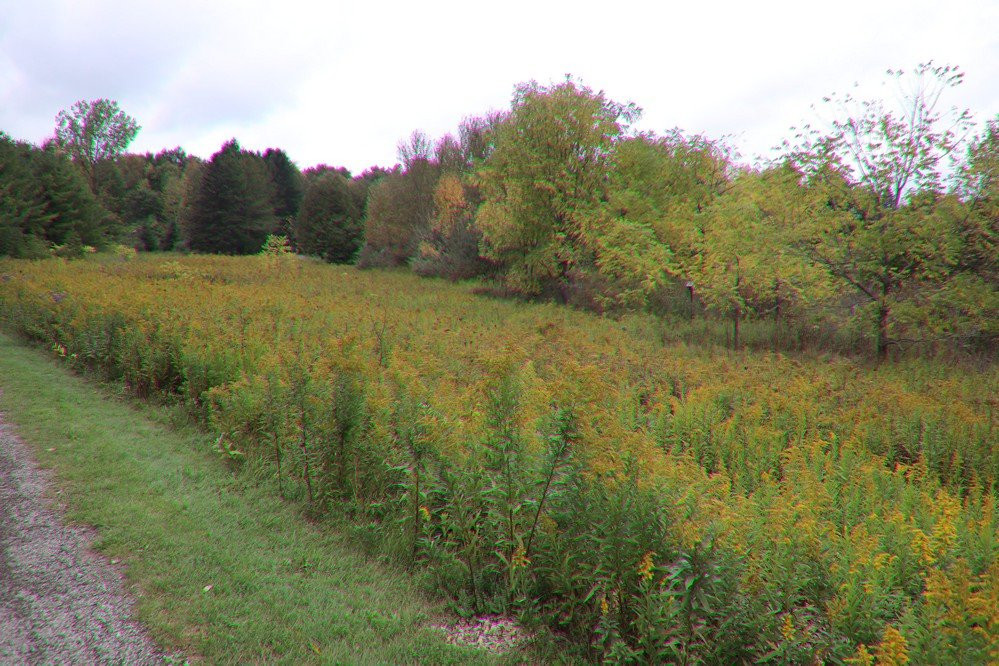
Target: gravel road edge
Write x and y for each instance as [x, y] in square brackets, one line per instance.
[60, 602]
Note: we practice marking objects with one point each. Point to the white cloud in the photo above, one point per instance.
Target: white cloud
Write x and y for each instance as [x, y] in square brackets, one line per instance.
[343, 83]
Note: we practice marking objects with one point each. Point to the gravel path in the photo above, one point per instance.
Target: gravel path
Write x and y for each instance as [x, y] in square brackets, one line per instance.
[60, 603]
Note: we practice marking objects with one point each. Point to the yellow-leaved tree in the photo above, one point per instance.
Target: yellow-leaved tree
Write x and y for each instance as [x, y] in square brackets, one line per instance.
[743, 261]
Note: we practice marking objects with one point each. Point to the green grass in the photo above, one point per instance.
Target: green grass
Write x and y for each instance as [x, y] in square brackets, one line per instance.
[282, 590]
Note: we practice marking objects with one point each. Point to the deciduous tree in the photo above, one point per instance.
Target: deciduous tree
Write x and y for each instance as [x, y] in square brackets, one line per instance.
[450, 247]
[545, 181]
[743, 261]
[400, 206]
[94, 131]
[871, 160]
[665, 182]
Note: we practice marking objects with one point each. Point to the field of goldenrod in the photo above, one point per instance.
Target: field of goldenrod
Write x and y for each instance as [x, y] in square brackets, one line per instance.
[640, 497]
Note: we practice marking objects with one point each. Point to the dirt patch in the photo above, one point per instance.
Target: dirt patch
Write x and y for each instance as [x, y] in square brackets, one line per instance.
[60, 602]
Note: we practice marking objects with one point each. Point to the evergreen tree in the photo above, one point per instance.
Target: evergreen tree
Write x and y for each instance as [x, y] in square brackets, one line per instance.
[231, 211]
[329, 221]
[288, 186]
[72, 211]
[22, 210]
[43, 201]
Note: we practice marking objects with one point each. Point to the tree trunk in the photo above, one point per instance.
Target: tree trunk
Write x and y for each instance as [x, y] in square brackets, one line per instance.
[561, 283]
[736, 311]
[882, 336]
[736, 316]
[777, 316]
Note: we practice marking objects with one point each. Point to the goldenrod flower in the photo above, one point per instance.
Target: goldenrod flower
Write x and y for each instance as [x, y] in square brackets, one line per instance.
[646, 566]
[787, 629]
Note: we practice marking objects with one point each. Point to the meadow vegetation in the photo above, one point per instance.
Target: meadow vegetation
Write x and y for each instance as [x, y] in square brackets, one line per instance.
[222, 570]
[628, 486]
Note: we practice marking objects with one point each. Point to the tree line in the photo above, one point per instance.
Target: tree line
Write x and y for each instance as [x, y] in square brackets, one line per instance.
[882, 223]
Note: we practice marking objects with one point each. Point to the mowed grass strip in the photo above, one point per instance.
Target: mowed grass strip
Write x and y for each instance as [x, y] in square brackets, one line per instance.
[223, 571]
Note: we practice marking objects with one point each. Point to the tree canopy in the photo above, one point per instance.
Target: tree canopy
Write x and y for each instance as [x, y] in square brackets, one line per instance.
[231, 211]
[287, 183]
[94, 131]
[329, 222]
[44, 202]
[543, 183]
[869, 164]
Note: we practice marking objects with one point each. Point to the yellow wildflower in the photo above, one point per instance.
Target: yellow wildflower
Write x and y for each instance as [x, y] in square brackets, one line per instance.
[519, 559]
[646, 566]
[862, 657]
[787, 629]
[893, 649]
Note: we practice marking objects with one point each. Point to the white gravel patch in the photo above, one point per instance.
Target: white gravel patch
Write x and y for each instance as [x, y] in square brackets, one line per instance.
[60, 602]
[494, 633]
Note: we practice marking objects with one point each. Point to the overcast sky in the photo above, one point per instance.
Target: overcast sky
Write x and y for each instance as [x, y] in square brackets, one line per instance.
[342, 83]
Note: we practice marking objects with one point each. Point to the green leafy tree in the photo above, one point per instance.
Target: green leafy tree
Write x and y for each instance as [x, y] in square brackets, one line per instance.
[870, 162]
[664, 183]
[231, 210]
[93, 132]
[544, 184]
[962, 305]
[979, 188]
[744, 260]
[148, 201]
[329, 222]
[141, 193]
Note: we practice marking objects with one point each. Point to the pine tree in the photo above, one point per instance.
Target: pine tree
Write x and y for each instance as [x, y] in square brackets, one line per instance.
[71, 207]
[288, 186]
[44, 200]
[231, 211]
[329, 222]
[22, 211]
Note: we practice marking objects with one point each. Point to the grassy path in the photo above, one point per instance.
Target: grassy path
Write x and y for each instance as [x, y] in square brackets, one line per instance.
[222, 571]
